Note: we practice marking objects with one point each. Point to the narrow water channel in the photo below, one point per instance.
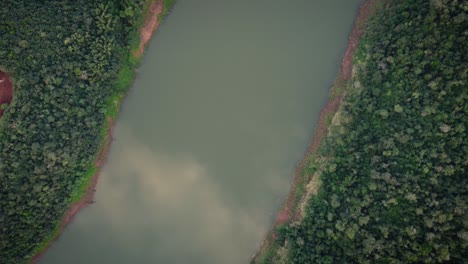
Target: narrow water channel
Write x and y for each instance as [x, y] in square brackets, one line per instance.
[222, 110]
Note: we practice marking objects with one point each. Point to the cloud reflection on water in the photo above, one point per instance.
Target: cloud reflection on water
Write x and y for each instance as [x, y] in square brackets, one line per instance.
[184, 209]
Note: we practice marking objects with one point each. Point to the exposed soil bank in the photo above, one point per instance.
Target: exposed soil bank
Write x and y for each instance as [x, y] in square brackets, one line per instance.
[6, 90]
[150, 24]
[289, 211]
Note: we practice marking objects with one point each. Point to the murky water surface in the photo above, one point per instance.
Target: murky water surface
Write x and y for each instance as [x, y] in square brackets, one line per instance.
[205, 147]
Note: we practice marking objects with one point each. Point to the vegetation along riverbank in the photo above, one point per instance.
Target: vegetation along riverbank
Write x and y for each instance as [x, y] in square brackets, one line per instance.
[72, 64]
[388, 182]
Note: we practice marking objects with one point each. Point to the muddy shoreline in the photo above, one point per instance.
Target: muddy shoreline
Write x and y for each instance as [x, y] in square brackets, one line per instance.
[88, 196]
[289, 211]
[150, 24]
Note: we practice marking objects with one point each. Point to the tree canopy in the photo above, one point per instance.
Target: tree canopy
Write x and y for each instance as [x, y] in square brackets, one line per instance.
[65, 58]
[394, 186]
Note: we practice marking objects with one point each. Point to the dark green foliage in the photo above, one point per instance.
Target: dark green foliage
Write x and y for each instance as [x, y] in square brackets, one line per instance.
[395, 189]
[65, 57]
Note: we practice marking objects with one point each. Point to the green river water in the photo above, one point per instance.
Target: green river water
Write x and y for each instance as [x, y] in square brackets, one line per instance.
[205, 147]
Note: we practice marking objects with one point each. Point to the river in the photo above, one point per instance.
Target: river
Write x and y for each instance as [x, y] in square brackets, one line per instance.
[206, 143]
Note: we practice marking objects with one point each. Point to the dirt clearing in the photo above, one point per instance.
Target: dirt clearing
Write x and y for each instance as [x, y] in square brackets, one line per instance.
[6, 91]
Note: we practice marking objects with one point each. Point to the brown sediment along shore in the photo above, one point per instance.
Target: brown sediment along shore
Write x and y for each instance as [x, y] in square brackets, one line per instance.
[150, 24]
[88, 195]
[289, 211]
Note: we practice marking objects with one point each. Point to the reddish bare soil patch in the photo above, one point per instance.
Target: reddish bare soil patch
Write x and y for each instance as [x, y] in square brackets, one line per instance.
[6, 90]
[150, 25]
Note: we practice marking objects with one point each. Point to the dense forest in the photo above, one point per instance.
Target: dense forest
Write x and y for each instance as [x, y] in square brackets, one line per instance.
[393, 184]
[68, 60]
[394, 174]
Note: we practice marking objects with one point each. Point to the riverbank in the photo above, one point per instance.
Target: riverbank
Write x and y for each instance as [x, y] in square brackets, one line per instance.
[306, 180]
[85, 194]
[154, 11]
